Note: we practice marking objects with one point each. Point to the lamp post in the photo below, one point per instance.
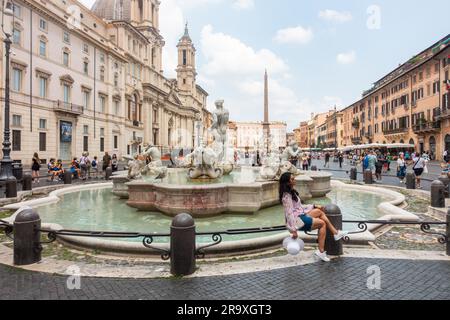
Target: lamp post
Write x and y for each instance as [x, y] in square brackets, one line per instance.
[6, 174]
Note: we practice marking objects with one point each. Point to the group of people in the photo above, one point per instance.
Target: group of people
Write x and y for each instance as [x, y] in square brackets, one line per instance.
[79, 168]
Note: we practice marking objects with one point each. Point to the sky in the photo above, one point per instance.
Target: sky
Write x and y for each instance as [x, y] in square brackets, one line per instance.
[318, 53]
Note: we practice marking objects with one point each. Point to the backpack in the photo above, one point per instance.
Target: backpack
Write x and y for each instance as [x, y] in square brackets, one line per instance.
[366, 162]
[94, 163]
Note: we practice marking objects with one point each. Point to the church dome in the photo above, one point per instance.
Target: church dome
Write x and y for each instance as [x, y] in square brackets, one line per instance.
[112, 9]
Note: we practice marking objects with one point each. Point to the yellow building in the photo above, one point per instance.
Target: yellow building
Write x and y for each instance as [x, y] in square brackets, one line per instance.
[408, 105]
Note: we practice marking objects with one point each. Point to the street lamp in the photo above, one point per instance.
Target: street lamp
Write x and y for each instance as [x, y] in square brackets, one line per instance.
[6, 174]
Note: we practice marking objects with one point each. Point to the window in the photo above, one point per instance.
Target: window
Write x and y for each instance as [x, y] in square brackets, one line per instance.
[42, 124]
[85, 143]
[102, 74]
[43, 87]
[17, 36]
[102, 57]
[66, 37]
[66, 59]
[86, 67]
[184, 57]
[42, 48]
[85, 48]
[102, 144]
[102, 132]
[85, 129]
[86, 99]
[16, 140]
[420, 76]
[116, 142]
[42, 141]
[102, 103]
[66, 93]
[17, 79]
[42, 24]
[16, 120]
[436, 88]
[17, 11]
[116, 107]
[116, 79]
[153, 57]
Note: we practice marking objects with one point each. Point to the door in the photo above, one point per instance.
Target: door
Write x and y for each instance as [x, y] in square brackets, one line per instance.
[65, 141]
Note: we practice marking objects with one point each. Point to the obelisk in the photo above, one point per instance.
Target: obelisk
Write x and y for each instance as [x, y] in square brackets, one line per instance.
[266, 124]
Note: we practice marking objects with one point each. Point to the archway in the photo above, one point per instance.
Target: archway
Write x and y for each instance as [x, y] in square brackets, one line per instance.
[447, 142]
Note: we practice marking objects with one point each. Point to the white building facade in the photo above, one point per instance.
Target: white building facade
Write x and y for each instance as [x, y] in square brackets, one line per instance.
[85, 80]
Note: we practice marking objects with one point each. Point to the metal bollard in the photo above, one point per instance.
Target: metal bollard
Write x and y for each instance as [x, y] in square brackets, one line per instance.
[368, 177]
[353, 174]
[108, 173]
[182, 245]
[448, 232]
[314, 168]
[27, 237]
[334, 214]
[11, 187]
[27, 182]
[67, 177]
[410, 181]
[446, 181]
[437, 194]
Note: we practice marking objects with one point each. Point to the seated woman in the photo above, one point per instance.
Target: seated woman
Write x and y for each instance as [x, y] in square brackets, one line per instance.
[75, 169]
[57, 170]
[305, 218]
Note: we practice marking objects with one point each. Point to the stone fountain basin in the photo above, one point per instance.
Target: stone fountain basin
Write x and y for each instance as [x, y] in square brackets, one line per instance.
[214, 199]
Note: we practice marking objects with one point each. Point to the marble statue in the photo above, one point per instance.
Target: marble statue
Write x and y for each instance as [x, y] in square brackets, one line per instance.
[291, 152]
[148, 163]
[219, 128]
[205, 164]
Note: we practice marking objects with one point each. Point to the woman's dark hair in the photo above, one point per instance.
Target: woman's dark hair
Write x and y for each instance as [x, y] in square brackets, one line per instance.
[286, 188]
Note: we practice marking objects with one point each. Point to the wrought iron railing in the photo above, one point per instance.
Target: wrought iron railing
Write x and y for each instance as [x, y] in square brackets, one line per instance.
[217, 237]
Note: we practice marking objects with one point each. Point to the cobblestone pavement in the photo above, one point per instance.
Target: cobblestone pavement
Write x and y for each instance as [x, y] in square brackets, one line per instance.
[345, 278]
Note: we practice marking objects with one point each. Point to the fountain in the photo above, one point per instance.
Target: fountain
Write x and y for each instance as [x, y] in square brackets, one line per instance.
[207, 184]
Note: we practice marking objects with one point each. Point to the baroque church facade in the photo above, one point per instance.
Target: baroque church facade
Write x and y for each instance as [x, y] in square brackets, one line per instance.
[92, 80]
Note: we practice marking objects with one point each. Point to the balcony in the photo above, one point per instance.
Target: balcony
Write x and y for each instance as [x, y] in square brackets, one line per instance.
[387, 132]
[67, 107]
[355, 124]
[443, 114]
[427, 127]
[357, 140]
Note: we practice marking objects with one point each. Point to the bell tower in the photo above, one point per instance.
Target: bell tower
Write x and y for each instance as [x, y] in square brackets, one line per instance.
[186, 72]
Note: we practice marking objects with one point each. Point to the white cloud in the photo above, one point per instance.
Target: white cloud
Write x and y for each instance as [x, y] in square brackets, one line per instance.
[243, 4]
[296, 35]
[172, 28]
[226, 55]
[335, 16]
[346, 58]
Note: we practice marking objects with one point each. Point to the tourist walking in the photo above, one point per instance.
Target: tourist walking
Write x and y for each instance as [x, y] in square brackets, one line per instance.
[418, 168]
[305, 218]
[379, 167]
[327, 160]
[94, 165]
[401, 167]
[84, 163]
[35, 167]
[341, 159]
[106, 161]
[305, 163]
[445, 155]
[114, 163]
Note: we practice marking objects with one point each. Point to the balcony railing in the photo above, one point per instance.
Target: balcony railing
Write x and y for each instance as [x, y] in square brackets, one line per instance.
[395, 131]
[68, 107]
[357, 140]
[427, 127]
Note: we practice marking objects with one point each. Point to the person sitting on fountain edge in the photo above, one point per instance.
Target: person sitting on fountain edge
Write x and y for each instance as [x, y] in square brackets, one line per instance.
[305, 218]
